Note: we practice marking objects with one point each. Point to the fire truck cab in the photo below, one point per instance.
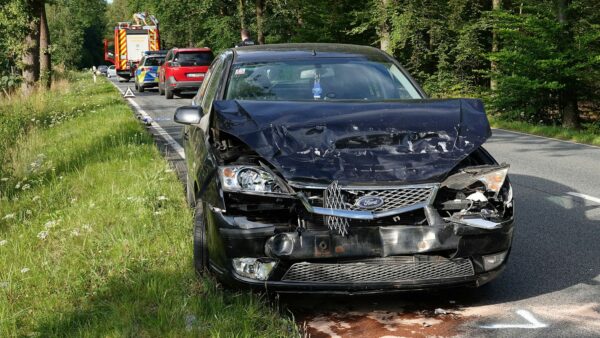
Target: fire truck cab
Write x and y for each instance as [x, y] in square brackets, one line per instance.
[128, 46]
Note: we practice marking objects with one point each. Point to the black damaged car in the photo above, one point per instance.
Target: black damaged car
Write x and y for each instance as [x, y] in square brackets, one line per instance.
[324, 167]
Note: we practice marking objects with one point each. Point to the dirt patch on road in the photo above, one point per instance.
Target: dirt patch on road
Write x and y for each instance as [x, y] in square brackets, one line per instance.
[388, 324]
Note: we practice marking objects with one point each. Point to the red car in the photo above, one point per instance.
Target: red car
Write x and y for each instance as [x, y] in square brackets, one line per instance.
[183, 70]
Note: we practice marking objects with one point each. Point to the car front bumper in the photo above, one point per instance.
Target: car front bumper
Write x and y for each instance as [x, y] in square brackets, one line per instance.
[368, 260]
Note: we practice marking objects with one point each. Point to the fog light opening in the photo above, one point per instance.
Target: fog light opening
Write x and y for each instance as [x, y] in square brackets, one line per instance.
[255, 268]
[490, 262]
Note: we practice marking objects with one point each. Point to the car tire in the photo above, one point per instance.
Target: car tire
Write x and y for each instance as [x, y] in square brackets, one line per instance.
[140, 88]
[168, 93]
[160, 90]
[200, 243]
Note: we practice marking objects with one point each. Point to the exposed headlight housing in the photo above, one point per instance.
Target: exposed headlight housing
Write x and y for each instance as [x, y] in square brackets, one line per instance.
[492, 177]
[247, 179]
[494, 180]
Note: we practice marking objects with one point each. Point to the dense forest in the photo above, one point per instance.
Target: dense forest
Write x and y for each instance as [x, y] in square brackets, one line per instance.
[536, 60]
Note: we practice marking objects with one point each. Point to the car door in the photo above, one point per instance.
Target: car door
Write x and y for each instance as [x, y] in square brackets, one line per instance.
[203, 162]
[162, 69]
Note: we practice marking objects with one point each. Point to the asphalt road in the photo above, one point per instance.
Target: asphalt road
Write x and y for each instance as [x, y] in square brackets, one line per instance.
[551, 287]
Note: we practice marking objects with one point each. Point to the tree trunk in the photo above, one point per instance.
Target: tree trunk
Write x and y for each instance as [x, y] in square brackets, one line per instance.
[260, 7]
[241, 13]
[496, 6]
[31, 53]
[384, 28]
[45, 59]
[568, 101]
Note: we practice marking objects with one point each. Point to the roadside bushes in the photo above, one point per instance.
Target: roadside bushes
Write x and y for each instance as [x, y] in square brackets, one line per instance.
[45, 109]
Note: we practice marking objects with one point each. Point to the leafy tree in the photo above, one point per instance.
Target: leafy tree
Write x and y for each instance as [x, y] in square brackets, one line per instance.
[77, 28]
[30, 56]
[548, 60]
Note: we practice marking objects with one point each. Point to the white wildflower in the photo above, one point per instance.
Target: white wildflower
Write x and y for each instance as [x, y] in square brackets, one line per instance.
[18, 186]
[35, 198]
[3, 242]
[158, 212]
[73, 200]
[24, 270]
[169, 170]
[163, 198]
[4, 179]
[42, 235]
[86, 227]
[50, 224]
[9, 216]
[60, 177]
[28, 212]
[26, 186]
[75, 232]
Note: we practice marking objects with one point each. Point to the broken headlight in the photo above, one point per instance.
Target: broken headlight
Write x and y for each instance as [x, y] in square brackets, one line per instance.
[494, 180]
[247, 179]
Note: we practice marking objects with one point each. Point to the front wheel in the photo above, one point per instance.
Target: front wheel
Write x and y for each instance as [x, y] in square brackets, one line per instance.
[200, 247]
[168, 93]
[161, 91]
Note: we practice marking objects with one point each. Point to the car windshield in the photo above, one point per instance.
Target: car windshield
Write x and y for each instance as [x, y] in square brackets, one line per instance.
[194, 58]
[156, 61]
[324, 79]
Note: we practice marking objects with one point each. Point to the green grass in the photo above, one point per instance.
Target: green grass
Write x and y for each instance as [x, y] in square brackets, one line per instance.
[585, 136]
[95, 235]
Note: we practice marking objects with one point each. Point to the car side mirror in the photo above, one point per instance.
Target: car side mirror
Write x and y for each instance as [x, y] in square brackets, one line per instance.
[188, 114]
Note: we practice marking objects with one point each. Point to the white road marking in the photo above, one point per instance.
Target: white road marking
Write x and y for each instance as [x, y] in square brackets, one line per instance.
[585, 197]
[159, 130]
[533, 323]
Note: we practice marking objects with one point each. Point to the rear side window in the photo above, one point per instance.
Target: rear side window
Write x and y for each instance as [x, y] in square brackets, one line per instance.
[153, 62]
[194, 58]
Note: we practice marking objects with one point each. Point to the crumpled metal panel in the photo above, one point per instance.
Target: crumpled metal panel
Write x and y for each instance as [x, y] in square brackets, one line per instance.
[401, 141]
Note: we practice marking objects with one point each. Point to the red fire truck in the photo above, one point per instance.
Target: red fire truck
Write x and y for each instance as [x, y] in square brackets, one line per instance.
[129, 44]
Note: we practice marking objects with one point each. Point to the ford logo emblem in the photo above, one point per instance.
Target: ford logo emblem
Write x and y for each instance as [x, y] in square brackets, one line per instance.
[369, 202]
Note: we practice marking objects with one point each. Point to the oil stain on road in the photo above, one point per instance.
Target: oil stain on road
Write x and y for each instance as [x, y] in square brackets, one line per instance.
[424, 323]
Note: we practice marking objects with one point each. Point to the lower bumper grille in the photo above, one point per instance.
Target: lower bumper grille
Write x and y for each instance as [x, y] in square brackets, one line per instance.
[382, 270]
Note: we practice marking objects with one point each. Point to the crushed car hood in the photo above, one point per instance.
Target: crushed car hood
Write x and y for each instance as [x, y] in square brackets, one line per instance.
[402, 141]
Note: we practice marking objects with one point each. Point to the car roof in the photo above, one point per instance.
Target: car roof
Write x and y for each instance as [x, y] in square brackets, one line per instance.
[204, 49]
[292, 51]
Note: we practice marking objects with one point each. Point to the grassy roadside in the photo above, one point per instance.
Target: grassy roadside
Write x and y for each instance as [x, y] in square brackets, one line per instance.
[579, 136]
[95, 236]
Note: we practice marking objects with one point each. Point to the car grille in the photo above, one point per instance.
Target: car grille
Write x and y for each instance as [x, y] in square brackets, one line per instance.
[336, 196]
[382, 270]
[393, 198]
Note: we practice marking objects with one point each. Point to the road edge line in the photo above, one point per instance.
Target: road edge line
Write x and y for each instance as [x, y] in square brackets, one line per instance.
[547, 138]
